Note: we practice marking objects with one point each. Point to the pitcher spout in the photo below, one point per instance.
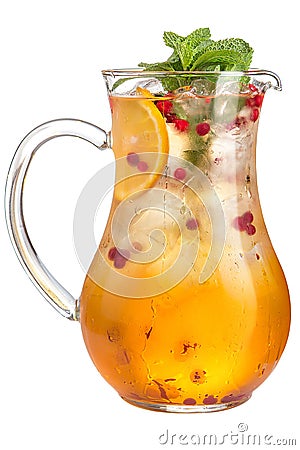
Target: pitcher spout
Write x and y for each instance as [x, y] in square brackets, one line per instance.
[269, 80]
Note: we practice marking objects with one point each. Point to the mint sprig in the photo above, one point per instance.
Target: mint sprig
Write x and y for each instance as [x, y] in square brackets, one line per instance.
[198, 51]
[186, 48]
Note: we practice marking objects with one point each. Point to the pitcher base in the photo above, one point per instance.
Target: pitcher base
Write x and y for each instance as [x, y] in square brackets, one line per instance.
[176, 408]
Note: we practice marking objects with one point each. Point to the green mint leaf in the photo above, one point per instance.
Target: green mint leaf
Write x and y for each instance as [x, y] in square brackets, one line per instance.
[172, 39]
[175, 62]
[185, 53]
[218, 60]
[184, 47]
[197, 37]
[228, 54]
[190, 44]
[199, 49]
[177, 42]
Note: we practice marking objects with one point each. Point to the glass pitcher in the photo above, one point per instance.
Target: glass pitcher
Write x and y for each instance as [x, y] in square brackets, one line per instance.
[184, 307]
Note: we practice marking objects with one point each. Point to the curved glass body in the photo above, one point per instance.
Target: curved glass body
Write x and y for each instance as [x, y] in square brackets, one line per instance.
[185, 306]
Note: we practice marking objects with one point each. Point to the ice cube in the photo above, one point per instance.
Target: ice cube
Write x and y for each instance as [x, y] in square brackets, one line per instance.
[151, 84]
[226, 107]
[261, 86]
[227, 87]
[203, 87]
[184, 91]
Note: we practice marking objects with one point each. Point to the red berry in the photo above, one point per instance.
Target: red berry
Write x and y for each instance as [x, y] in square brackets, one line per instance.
[121, 258]
[258, 100]
[210, 400]
[119, 262]
[142, 166]
[207, 100]
[171, 118]
[112, 253]
[180, 173]
[192, 224]
[255, 101]
[203, 128]
[250, 102]
[189, 401]
[239, 223]
[251, 230]
[160, 105]
[254, 114]
[252, 88]
[244, 223]
[165, 106]
[181, 124]
[247, 217]
[132, 158]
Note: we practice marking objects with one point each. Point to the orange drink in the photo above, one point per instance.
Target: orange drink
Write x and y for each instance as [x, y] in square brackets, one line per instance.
[167, 337]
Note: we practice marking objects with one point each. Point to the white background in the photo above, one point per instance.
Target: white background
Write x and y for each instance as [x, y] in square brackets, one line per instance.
[51, 55]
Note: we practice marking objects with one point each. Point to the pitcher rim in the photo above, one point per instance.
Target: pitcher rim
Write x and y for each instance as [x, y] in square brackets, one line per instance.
[140, 73]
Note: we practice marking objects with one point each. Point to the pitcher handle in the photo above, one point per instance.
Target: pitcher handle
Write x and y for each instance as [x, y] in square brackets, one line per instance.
[44, 281]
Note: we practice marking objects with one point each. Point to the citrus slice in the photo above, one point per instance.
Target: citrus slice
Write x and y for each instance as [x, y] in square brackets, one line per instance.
[140, 143]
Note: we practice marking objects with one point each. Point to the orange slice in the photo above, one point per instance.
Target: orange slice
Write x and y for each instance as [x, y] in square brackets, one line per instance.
[140, 143]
